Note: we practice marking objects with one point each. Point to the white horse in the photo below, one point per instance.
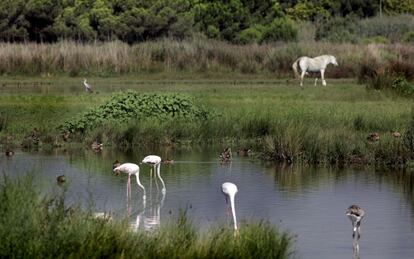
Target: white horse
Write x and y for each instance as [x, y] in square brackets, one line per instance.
[313, 65]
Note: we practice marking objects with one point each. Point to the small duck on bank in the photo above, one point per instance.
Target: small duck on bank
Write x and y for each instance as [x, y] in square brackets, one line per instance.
[373, 137]
[395, 134]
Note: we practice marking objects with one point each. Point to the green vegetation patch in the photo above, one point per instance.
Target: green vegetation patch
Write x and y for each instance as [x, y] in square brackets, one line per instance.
[125, 106]
[44, 226]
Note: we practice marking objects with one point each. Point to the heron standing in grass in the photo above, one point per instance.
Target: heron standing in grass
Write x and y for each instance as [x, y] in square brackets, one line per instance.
[230, 190]
[88, 87]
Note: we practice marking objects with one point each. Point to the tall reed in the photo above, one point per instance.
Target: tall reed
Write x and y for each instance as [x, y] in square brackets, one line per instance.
[167, 55]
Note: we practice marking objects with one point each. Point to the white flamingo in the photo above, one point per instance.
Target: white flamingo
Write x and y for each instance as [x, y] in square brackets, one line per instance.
[230, 190]
[130, 169]
[88, 87]
[155, 162]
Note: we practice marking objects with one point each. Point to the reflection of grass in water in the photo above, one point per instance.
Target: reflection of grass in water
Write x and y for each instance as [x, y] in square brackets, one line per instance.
[35, 226]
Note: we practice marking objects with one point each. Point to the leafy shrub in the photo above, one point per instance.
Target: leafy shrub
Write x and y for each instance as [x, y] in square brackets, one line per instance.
[252, 34]
[391, 27]
[338, 29]
[401, 85]
[408, 37]
[281, 29]
[133, 105]
[213, 32]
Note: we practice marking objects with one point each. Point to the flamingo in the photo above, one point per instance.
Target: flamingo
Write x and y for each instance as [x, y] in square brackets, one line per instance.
[88, 87]
[130, 168]
[230, 190]
[355, 213]
[155, 161]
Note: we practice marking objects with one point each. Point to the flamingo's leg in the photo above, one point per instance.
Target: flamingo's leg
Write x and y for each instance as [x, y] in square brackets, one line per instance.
[359, 229]
[155, 179]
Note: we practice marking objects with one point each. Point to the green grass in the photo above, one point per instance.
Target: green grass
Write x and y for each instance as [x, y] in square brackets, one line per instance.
[281, 120]
[36, 226]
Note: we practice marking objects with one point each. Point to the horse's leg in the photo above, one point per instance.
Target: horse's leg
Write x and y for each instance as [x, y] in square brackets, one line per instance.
[316, 80]
[323, 77]
[302, 76]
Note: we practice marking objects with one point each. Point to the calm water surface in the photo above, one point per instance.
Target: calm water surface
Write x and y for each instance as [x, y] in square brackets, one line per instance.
[309, 203]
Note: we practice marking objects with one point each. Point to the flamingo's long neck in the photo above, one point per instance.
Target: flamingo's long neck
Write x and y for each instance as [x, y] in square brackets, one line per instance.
[159, 176]
[233, 211]
[139, 183]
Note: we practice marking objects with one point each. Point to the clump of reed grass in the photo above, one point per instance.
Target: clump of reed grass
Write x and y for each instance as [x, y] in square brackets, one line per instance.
[39, 226]
[385, 70]
[168, 55]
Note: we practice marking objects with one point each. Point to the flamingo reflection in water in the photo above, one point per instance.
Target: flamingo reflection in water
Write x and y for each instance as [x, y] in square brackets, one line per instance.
[151, 214]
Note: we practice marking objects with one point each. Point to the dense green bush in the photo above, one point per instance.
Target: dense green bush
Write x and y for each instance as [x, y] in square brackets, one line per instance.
[338, 29]
[280, 30]
[252, 34]
[408, 37]
[129, 105]
[391, 27]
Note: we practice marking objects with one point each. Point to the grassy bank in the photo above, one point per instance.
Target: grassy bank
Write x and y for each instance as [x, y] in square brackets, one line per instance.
[35, 226]
[281, 121]
[197, 57]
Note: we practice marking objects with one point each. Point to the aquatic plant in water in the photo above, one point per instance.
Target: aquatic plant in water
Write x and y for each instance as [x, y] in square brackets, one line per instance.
[129, 105]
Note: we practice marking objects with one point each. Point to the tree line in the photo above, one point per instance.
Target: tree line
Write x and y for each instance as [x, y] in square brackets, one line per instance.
[132, 21]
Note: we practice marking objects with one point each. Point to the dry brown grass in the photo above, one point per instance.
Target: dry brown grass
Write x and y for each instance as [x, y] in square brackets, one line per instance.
[194, 56]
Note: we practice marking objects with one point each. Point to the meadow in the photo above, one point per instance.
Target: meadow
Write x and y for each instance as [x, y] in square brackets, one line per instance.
[275, 117]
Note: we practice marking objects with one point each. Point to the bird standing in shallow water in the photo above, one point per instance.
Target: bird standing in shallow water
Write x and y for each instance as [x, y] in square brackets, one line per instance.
[155, 161]
[355, 213]
[230, 190]
[226, 155]
[130, 169]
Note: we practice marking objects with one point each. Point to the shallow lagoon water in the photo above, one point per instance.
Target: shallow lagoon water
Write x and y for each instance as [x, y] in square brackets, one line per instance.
[310, 203]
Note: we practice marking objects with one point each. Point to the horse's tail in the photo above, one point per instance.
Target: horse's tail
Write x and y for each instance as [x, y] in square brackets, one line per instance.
[295, 67]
